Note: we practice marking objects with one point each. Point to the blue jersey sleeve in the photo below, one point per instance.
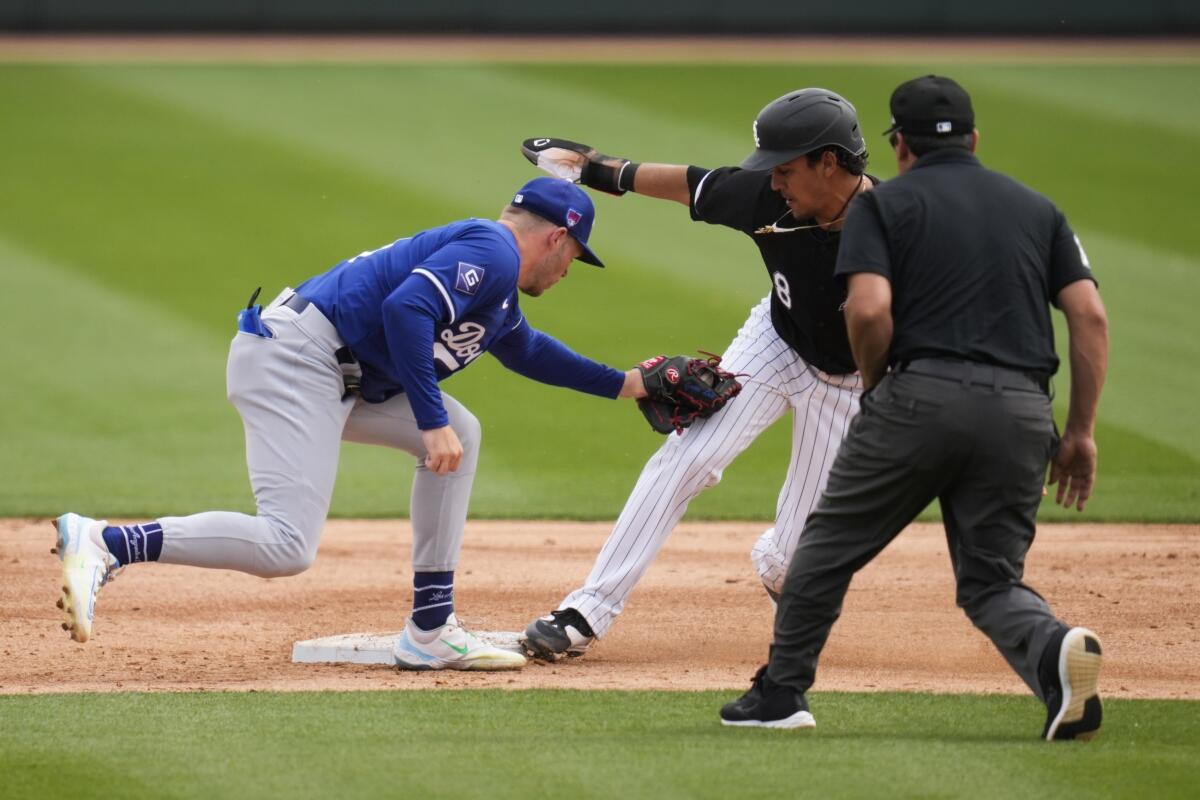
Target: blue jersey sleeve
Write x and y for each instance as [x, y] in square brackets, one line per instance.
[477, 269]
[409, 315]
[536, 355]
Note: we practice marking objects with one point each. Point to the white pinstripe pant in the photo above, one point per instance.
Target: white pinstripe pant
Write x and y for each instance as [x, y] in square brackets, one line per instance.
[778, 379]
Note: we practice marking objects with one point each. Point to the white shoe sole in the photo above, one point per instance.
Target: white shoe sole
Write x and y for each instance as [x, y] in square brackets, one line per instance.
[475, 665]
[801, 719]
[495, 661]
[82, 576]
[1079, 672]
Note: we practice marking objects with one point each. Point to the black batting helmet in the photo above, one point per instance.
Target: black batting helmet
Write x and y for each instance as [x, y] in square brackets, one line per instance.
[801, 122]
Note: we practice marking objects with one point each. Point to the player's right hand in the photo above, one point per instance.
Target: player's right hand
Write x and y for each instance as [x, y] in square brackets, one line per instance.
[443, 450]
[577, 162]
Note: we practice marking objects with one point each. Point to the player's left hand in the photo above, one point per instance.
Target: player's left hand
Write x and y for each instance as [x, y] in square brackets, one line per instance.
[443, 450]
[634, 386]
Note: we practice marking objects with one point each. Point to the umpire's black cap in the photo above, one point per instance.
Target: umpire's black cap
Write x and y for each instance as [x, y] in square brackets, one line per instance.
[931, 105]
[801, 122]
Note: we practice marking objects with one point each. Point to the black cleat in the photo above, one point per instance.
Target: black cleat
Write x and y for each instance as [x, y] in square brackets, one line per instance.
[564, 632]
[1069, 672]
[768, 705]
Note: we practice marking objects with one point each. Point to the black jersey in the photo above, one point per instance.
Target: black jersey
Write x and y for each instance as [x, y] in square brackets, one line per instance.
[806, 301]
[974, 258]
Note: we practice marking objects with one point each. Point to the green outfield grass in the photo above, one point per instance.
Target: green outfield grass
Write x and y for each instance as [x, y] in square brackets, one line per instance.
[494, 744]
[142, 204]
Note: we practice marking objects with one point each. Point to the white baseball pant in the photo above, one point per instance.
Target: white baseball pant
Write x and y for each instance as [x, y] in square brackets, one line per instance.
[288, 391]
[778, 380]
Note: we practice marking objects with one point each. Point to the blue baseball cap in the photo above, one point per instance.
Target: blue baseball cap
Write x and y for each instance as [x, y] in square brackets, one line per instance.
[566, 205]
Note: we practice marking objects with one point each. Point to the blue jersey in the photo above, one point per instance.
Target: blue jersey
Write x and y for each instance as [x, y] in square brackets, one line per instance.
[422, 308]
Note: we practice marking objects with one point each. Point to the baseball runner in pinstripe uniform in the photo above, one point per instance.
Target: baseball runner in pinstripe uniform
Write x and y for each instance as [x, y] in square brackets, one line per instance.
[790, 196]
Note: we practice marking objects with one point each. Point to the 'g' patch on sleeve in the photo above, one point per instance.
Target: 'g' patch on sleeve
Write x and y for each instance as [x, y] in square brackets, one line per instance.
[469, 278]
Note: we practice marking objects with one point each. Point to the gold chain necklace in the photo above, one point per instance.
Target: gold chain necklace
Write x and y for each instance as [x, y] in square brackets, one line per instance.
[774, 226]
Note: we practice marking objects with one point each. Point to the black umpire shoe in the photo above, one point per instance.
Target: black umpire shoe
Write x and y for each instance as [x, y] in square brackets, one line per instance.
[563, 633]
[768, 705]
[1069, 672]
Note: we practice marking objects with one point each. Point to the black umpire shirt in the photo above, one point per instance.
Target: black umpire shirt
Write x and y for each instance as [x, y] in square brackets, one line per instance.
[974, 259]
[806, 301]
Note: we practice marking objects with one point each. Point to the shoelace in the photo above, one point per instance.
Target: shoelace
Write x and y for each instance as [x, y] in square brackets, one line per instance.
[110, 575]
[472, 640]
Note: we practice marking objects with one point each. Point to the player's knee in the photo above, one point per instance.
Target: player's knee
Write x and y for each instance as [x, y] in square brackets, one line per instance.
[287, 564]
[704, 477]
[683, 478]
[976, 600]
[469, 432]
[292, 552]
[687, 454]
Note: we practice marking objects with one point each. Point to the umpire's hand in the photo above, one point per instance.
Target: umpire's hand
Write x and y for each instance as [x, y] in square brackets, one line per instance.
[443, 450]
[1074, 469]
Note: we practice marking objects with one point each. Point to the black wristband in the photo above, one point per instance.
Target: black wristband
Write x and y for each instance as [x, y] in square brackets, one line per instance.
[625, 176]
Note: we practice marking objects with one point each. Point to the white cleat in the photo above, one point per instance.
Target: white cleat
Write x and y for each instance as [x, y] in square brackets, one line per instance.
[450, 647]
[87, 565]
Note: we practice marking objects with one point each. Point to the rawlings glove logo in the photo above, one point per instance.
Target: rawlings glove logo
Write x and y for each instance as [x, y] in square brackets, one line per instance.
[681, 390]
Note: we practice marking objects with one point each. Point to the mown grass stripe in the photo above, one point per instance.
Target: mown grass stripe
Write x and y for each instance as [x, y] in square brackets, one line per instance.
[500, 744]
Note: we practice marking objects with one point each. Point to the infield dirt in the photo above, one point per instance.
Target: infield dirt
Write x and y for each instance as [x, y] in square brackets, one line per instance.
[698, 620]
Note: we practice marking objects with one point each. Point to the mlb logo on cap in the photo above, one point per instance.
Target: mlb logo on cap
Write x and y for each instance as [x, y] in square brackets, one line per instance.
[931, 105]
[573, 217]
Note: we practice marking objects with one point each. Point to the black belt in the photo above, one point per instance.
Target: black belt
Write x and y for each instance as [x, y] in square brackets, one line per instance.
[351, 374]
[973, 372]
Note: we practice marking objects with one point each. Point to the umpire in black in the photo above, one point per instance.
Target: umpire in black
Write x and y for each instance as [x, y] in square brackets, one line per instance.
[951, 270]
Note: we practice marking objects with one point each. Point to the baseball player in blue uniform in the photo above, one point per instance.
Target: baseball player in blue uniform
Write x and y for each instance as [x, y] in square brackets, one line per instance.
[357, 354]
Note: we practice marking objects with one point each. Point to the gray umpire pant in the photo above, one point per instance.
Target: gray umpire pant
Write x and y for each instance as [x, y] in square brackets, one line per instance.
[288, 391]
[983, 452]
